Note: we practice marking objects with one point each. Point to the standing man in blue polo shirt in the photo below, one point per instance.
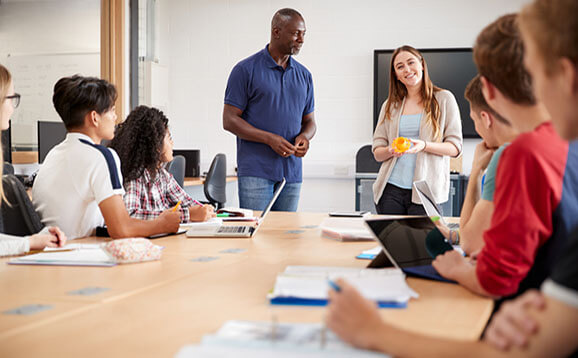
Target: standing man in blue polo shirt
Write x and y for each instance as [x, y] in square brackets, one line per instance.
[269, 107]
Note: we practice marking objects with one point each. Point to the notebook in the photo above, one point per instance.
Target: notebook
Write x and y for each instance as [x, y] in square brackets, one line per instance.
[308, 285]
[258, 339]
[84, 255]
[241, 231]
[431, 208]
[404, 245]
[345, 229]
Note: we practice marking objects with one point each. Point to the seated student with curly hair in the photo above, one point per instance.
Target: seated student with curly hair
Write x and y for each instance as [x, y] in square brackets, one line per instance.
[143, 142]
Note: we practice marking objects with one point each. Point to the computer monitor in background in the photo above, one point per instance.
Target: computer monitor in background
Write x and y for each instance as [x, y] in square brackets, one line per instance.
[450, 68]
[49, 135]
[7, 145]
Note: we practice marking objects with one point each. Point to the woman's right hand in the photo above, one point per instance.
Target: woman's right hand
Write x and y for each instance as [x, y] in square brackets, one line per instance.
[40, 241]
[381, 154]
[393, 153]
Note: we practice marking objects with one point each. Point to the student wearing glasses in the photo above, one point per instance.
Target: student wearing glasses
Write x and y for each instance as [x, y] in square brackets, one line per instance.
[10, 244]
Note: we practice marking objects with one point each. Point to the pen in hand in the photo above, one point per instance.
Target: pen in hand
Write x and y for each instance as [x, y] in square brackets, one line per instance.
[334, 285]
[196, 202]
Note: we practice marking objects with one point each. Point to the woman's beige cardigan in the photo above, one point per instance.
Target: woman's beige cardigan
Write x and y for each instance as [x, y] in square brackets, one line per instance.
[433, 168]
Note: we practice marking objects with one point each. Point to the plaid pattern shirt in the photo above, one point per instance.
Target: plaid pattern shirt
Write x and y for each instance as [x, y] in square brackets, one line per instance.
[146, 199]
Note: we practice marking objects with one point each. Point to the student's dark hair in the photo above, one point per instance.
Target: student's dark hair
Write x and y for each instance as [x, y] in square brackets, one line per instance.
[76, 96]
[477, 101]
[139, 142]
[499, 56]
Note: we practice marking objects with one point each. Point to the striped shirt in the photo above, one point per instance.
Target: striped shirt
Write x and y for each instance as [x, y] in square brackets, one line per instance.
[146, 198]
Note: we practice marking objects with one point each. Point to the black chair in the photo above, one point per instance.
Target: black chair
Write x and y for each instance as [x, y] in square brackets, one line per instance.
[18, 214]
[215, 186]
[177, 168]
[8, 168]
[365, 161]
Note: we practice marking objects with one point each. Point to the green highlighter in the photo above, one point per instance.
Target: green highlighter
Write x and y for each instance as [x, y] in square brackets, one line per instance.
[223, 215]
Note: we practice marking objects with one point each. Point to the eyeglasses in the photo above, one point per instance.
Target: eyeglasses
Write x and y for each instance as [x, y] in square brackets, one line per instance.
[15, 99]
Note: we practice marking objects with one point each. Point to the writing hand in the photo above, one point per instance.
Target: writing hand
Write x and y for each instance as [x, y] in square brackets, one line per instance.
[60, 236]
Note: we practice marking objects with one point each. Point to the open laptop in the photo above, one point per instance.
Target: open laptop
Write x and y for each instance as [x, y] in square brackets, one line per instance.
[242, 231]
[431, 208]
[404, 245]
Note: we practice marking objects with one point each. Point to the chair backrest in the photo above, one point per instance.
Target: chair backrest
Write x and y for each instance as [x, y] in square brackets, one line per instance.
[177, 168]
[8, 168]
[215, 186]
[18, 214]
[365, 162]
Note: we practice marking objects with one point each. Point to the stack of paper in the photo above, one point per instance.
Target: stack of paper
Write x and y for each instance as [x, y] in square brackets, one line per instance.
[309, 285]
[70, 255]
[346, 229]
[201, 225]
[269, 339]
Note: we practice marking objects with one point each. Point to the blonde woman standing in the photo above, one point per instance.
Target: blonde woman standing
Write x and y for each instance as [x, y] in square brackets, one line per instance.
[430, 118]
[9, 244]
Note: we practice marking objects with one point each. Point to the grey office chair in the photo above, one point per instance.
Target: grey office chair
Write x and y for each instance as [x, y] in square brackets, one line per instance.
[215, 186]
[177, 168]
[18, 215]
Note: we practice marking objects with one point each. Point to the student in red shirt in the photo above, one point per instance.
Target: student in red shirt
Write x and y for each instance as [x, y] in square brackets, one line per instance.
[531, 216]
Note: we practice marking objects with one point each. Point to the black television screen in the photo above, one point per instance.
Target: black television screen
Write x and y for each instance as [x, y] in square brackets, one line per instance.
[49, 135]
[450, 69]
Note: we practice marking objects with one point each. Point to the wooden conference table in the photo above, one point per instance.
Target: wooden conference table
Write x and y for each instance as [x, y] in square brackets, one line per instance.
[153, 309]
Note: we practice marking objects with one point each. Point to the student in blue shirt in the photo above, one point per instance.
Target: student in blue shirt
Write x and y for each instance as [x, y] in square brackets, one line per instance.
[496, 133]
[269, 107]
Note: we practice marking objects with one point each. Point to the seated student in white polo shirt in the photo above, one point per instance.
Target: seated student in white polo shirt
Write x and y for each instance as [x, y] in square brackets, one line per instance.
[79, 185]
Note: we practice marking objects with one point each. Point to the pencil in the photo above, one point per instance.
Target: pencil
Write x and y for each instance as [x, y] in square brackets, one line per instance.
[176, 206]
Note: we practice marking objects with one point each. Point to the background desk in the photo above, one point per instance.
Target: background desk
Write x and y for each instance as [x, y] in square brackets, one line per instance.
[152, 309]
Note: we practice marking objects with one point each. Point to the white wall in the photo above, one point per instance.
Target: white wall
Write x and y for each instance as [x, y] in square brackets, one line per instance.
[41, 40]
[201, 40]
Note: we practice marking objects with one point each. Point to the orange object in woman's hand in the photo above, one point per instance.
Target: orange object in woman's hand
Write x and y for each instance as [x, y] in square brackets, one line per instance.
[401, 144]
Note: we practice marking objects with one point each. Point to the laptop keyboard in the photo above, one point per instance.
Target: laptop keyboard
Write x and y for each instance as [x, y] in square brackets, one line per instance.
[230, 229]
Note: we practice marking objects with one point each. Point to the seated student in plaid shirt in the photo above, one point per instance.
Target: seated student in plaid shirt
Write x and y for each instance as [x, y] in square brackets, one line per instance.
[143, 142]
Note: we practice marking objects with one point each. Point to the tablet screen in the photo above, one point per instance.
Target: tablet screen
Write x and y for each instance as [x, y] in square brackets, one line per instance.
[404, 239]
